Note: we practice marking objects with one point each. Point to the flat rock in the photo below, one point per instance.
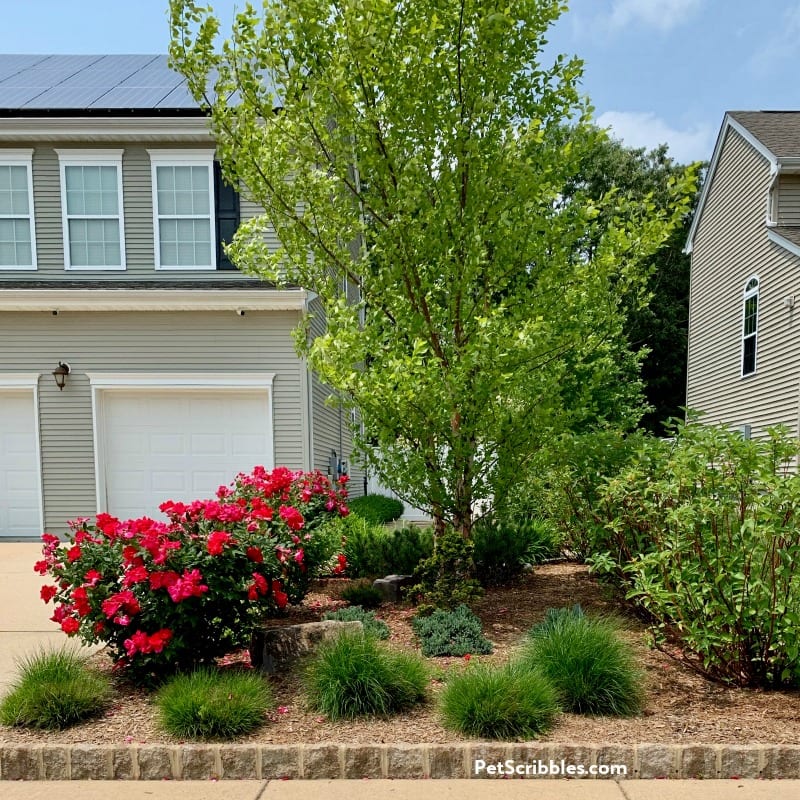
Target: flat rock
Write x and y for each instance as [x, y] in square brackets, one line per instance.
[273, 649]
[391, 587]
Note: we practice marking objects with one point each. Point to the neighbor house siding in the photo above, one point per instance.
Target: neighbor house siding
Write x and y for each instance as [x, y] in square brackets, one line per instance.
[789, 200]
[214, 343]
[731, 245]
[138, 220]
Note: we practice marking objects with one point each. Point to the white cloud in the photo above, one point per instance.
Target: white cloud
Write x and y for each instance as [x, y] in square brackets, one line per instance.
[645, 129]
[660, 14]
[782, 46]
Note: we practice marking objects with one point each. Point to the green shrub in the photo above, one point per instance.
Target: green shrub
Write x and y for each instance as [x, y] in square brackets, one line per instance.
[362, 594]
[363, 546]
[446, 578]
[372, 626]
[503, 548]
[719, 572]
[584, 657]
[377, 508]
[54, 689]
[451, 633]
[404, 548]
[506, 703]
[355, 675]
[213, 704]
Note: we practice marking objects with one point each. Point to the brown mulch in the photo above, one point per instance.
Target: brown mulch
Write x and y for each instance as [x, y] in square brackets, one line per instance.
[681, 705]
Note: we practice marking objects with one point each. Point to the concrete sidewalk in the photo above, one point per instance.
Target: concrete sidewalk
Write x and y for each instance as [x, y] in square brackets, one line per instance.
[404, 790]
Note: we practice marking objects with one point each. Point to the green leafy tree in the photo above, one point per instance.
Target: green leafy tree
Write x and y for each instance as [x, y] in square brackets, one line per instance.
[419, 153]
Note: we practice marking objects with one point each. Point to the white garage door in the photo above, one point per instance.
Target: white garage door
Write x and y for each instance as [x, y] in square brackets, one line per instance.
[20, 494]
[179, 444]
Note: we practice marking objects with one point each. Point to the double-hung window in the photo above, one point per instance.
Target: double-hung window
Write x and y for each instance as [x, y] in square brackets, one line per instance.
[183, 209]
[91, 208]
[750, 326]
[17, 231]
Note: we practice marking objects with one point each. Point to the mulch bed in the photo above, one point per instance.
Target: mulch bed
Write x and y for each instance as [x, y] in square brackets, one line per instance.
[681, 705]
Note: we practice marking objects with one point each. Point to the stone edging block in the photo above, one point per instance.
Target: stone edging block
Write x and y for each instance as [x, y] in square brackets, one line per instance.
[270, 762]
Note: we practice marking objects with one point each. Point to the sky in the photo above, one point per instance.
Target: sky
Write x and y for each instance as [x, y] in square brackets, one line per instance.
[655, 71]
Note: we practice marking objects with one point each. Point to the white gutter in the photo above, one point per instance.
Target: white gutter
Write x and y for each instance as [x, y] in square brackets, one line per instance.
[239, 300]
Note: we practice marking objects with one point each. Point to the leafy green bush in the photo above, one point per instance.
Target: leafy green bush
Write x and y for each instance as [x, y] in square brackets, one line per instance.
[372, 626]
[55, 689]
[447, 577]
[404, 548]
[377, 508]
[213, 704]
[503, 548]
[362, 594]
[591, 667]
[451, 633]
[355, 675]
[718, 565]
[363, 546]
[509, 702]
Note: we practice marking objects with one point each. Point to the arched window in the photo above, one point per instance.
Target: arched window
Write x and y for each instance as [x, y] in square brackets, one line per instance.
[750, 326]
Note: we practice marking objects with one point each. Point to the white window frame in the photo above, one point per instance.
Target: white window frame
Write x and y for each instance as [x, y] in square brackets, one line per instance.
[183, 158]
[748, 294]
[21, 158]
[96, 158]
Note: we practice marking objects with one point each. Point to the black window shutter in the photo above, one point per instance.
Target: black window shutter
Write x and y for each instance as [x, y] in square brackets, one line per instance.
[226, 209]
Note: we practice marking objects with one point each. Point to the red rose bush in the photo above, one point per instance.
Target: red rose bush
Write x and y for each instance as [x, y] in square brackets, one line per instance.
[171, 595]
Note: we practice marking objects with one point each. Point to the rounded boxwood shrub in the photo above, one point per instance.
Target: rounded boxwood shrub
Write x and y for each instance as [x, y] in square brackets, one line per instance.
[54, 690]
[508, 702]
[587, 661]
[355, 675]
[377, 508]
[213, 704]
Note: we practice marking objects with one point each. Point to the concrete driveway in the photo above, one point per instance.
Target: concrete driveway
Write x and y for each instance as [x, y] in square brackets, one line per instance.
[25, 626]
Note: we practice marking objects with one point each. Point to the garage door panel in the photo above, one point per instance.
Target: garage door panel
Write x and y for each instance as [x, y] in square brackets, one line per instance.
[20, 502]
[179, 444]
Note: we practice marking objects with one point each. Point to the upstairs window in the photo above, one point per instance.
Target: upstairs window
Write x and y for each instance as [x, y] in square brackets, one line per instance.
[750, 326]
[91, 209]
[17, 231]
[194, 211]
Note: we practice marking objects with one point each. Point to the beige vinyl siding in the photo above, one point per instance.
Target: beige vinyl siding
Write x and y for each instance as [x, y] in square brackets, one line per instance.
[211, 342]
[730, 246]
[331, 428]
[138, 220]
[789, 200]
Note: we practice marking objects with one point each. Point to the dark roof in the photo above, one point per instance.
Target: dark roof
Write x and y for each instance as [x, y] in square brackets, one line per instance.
[778, 131]
[157, 285]
[40, 83]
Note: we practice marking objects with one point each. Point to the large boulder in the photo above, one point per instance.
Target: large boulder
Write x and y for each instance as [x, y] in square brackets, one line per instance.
[274, 649]
[392, 586]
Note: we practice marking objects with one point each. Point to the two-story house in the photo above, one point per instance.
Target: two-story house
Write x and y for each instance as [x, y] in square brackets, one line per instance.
[744, 318]
[136, 363]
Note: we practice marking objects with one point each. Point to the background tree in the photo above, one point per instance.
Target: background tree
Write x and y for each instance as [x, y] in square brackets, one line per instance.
[660, 326]
[429, 139]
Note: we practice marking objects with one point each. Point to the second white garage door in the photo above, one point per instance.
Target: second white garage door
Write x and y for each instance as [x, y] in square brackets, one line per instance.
[178, 444]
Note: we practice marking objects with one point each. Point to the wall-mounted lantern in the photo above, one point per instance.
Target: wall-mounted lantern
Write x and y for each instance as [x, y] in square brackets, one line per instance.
[60, 374]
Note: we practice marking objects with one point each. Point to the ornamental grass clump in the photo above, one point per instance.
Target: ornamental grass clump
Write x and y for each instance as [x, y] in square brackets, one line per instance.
[213, 704]
[355, 675]
[508, 702]
[170, 596]
[587, 661]
[55, 689]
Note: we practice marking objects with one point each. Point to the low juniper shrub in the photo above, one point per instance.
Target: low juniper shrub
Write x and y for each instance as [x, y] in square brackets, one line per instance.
[451, 633]
[213, 704]
[507, 703]
[372, 626]
[355, 675]
[585, 658]
[55, 689]
[362, 594]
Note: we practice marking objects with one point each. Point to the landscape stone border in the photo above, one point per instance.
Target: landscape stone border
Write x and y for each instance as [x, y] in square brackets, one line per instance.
[355, 761]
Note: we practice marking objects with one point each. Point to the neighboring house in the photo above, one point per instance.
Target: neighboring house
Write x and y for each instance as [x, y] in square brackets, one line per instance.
[744, 317]
[182, 371]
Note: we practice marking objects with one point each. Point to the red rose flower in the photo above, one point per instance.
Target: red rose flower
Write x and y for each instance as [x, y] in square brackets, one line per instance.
[70, 625]
[47, 593]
